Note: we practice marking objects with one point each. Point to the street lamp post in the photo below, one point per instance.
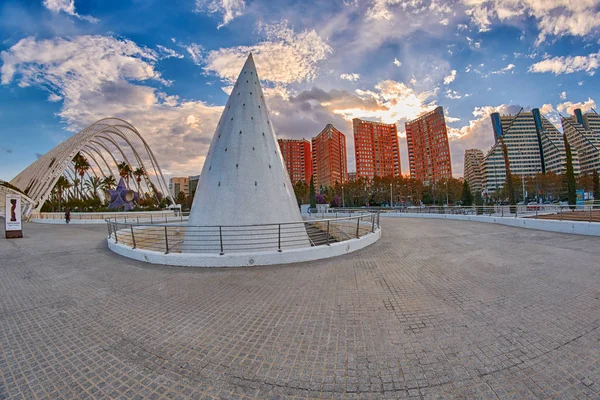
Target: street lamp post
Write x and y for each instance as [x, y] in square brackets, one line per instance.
[391, 197]
[447, 192]
[343, 202]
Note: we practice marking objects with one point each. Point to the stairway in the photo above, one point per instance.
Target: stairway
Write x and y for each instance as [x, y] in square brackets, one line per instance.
[317, 236]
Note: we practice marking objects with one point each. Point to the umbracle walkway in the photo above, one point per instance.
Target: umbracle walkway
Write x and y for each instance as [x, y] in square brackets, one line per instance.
[434, 309]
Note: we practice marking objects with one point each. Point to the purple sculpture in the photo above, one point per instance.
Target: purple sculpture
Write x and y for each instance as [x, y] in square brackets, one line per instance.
[122, 196]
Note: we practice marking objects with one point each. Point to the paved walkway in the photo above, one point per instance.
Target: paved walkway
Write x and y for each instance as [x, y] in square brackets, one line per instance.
[435, 309]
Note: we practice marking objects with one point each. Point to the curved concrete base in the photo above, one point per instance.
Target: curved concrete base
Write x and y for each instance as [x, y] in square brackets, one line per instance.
[574, 227]
[246, 259]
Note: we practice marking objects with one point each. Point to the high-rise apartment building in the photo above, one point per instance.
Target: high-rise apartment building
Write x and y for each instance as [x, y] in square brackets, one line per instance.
[583, 133]
[298, 159]
[534, 146]
[329, 157]
[428, 148]
[473, 169]
[376, 149]
[179, 184]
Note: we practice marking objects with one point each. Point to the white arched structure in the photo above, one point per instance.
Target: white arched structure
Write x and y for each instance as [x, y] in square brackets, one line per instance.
[104, 143]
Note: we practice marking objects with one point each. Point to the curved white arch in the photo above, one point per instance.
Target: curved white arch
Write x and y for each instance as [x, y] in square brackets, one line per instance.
[38, 179]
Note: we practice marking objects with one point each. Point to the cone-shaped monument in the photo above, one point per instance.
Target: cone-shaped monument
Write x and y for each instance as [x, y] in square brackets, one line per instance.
[244, 180]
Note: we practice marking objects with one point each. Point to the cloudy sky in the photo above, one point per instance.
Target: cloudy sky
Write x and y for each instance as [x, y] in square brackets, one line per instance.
[167, 67]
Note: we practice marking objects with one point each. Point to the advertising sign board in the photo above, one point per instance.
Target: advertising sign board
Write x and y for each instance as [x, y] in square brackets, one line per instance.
[13, 225]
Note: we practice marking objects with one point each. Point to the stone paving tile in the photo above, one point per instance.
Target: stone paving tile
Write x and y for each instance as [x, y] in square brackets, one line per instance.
[434, 310]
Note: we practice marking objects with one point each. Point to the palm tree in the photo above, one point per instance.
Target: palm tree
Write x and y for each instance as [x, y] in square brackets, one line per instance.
[109, 183]
[81, 166]
[138, 173]
[125, 171]
[92, 185]
[61, 184]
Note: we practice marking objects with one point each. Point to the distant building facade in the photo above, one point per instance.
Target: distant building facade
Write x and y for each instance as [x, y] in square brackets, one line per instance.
[583, 133]
[351, 176]
[428, 147]
[179, 184]
[473, 169]
[376, 149]
[534, 146]
[193, 184]
[298, 159]
[329, 157]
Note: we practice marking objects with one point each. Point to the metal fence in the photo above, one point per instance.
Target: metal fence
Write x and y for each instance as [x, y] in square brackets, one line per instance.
[138, 216]
[587, 212]
[181, 238]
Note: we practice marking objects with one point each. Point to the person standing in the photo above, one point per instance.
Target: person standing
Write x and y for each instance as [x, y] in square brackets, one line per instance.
[68, 215]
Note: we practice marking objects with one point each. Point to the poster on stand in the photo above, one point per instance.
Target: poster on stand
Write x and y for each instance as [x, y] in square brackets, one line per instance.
[13, 225]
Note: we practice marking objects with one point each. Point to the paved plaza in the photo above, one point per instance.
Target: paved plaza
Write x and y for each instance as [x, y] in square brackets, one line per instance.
[435, 309]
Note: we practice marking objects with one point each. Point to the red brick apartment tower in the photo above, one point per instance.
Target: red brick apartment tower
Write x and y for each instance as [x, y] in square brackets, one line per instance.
[428, 148]
[298, 159]
[329, 157]
[376, 149]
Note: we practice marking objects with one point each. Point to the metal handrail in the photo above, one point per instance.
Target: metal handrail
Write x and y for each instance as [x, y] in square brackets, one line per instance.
[583, 212]
[220, 239]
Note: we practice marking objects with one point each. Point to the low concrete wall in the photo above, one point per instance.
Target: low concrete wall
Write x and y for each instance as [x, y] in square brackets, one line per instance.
[246, 259]
[99, 218]
[574, 227]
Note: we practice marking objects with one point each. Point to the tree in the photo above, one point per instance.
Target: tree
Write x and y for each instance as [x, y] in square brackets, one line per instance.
[336, 202]
[312, 195]
[300, 190]
[125, 171]
[109, 183]
[467, 196]
[139, 173]
[92, 185]
[570, 174]
[61, 184]
[596, 181]
[81, 165]
[180, 198]
[508, 184]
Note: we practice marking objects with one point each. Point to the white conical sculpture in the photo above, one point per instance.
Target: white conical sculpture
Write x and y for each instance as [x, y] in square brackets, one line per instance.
[244, 180]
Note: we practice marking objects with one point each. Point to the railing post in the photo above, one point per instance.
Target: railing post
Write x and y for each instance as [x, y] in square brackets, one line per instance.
[279, 238]
[132, 237]
[221, 240]
[327, 233]
[151, 219]
[109, 229]
[166, 241]
[166, 219]
[115, 230]
[357, 226]
[372, 223]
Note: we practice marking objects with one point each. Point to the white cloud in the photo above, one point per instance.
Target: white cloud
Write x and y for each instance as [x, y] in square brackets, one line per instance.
[168, 53]
[68, 7]
[450, 78]
[350, 77]
[395, 102]
[284, 56]
[569, 107]
[453, 94]
[397, 62]
[554, 17]
[98, 77]
[563, 95]
[195, 51]
[504, 70]
[229, 9]
[568, 65]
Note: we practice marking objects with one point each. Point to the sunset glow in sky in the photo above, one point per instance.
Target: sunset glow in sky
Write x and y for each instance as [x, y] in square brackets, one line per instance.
[167, 67]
